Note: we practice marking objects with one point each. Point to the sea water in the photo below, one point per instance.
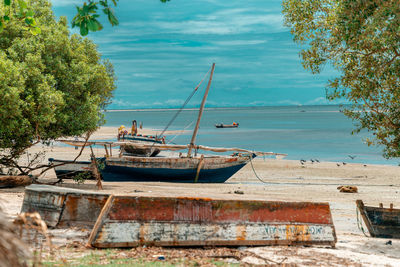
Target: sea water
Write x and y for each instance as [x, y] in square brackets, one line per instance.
[302, 132]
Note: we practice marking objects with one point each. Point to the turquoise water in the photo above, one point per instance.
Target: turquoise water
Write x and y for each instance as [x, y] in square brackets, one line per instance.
[303, 132]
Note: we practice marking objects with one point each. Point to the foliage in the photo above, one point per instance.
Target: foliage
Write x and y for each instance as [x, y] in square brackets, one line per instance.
[52, 85]
[20, 11]
[361, 39]
[86, 17]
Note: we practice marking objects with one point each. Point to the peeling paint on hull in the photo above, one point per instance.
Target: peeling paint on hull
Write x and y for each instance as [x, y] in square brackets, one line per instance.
[61, 207]
[127, 221]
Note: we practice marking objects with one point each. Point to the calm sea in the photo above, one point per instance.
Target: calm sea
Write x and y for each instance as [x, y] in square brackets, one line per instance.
[303, 132]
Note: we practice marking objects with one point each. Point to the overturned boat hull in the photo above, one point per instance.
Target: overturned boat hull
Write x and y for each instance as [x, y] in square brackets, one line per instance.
[129, 221]
[211, 169]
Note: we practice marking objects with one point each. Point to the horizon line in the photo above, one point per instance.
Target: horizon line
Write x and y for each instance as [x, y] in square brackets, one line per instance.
[228, 107]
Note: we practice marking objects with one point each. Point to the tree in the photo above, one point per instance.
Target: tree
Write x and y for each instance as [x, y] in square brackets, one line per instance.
[85, 18]
[51, 85]
[361, 39]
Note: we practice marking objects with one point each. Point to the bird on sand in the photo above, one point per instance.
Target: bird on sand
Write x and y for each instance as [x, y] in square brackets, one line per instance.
[337, 164]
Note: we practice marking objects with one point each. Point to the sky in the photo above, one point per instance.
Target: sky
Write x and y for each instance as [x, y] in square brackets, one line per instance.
[161, 51]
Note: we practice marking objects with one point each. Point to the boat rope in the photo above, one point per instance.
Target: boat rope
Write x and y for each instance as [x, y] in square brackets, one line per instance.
[359, 223]
[180, 133]
[184, 104]
[251, 163]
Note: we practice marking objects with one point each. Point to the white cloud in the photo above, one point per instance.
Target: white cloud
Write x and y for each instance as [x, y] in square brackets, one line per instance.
[239, 42]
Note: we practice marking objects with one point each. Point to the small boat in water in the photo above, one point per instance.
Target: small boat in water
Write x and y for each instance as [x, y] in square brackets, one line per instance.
[221, 125]
[380, 221]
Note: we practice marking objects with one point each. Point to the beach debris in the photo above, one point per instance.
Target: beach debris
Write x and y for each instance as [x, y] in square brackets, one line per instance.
[348, 189]
[240, 192]
[365, 165]
[8, 181]
[132, 221]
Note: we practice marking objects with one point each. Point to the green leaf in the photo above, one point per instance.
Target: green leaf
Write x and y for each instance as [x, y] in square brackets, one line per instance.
[22, 5]
[6, 18]
[35, 30]
[84, 29]
[29, 13]
[7, 2]
[1, 26]
[92, 25]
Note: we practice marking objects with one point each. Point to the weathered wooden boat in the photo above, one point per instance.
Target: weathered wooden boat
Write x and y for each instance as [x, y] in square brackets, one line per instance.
[380, 221]
[130, 221]
[69, 169]
[185, 168]
[129, 147]
[221, 125]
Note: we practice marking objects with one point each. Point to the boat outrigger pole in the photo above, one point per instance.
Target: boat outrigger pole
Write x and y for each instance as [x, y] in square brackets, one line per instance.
[203, 102]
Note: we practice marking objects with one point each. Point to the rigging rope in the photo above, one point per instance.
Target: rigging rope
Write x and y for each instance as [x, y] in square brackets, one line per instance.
[181, 132]
[251, 163]
[359, 223]
[184, 104]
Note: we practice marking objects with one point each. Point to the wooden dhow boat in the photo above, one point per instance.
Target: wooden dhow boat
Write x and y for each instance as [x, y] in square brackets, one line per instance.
[183, 168]
[381, 222]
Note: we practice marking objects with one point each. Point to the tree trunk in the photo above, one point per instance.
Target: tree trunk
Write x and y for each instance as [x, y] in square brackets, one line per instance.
[14, 181]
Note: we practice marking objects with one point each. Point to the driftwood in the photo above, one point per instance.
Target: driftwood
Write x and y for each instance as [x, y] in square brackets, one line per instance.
[14, 181]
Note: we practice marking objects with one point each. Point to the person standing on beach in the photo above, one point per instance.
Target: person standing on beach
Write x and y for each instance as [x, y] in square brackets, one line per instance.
[134, 128]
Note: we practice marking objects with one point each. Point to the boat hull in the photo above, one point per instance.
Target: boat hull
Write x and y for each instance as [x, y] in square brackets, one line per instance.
[226, 126]
[140, 151]
[72, 169]
[131, 221]
[380, 222]
[213, 170]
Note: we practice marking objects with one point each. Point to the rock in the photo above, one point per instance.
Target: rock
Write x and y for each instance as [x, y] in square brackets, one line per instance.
[240, 192]
[348, 189]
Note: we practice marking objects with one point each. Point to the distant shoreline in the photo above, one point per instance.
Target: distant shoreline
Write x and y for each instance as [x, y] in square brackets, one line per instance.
[223, 108]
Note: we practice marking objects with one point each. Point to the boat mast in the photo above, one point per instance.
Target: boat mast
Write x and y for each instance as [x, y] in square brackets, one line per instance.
[203, 102]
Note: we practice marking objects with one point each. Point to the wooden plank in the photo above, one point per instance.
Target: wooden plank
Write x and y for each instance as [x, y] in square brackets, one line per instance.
[160, 221]
[100, 219]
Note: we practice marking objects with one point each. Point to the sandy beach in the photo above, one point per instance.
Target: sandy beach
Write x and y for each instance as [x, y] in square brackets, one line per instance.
[273, 179]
